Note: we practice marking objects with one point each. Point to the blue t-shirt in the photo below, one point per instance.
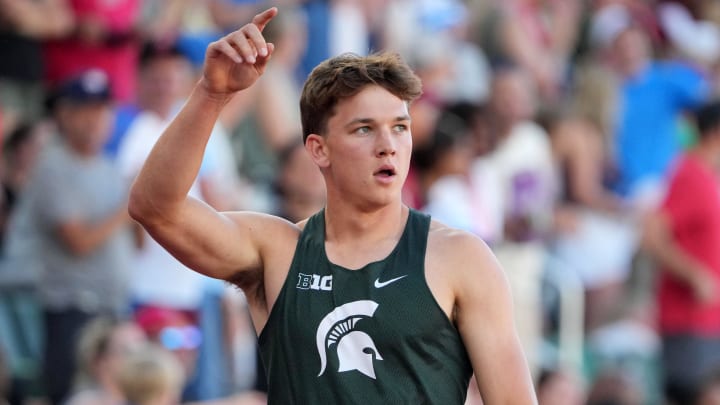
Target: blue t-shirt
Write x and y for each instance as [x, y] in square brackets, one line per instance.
[124, 116]
[647, 138]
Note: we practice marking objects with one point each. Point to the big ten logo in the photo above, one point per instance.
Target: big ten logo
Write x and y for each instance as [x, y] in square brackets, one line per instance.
[314, 282]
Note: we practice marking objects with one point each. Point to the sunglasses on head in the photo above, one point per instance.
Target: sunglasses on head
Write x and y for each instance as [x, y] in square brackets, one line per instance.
[183, 337]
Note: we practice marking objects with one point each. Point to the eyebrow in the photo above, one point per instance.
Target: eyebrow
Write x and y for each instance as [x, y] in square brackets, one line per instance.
[356, 121]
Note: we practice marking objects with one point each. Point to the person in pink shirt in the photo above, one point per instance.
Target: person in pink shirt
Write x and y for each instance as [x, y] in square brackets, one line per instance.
[105, 37]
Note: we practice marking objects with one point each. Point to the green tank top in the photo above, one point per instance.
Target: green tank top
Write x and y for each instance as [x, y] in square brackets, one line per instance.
[375, 335]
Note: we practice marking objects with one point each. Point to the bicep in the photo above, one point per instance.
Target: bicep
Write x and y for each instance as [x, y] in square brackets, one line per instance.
[219, 245]
[486, 324]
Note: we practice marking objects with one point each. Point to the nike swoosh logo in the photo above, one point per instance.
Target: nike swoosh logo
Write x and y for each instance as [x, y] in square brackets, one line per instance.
[379, 284]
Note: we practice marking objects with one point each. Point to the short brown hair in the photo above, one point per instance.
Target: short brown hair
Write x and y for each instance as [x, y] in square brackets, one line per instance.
[346, 75]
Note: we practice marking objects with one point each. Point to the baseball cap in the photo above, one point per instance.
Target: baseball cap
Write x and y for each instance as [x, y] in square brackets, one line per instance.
[172, 328]
[153, 50]
[609, 22]
[89, 86]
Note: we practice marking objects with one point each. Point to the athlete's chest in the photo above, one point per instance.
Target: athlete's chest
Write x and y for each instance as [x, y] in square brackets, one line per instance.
[354, 318]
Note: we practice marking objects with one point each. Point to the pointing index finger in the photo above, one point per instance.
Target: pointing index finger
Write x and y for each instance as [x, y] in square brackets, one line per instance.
[263, 18]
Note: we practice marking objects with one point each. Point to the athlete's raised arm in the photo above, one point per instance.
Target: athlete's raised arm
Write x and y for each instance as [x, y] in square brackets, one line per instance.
[219, 245]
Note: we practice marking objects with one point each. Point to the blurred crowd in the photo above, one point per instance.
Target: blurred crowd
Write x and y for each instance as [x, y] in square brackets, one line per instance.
[577, 138]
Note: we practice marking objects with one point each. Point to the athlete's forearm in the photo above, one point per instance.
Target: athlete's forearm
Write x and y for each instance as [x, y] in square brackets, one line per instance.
[172, 166]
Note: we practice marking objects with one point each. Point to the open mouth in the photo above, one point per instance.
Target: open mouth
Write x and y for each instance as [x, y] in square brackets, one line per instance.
[385, 171]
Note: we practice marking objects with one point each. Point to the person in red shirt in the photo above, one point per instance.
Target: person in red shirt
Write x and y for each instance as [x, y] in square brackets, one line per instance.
[106, 37]
[684, 237]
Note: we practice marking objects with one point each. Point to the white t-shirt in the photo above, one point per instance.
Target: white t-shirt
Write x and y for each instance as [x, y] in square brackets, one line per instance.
[156, 276]
[474, 204]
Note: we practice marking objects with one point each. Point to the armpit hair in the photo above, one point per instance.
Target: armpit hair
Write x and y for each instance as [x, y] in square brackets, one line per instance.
[251, 283]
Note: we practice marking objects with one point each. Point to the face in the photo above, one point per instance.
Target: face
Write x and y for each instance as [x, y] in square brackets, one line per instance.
[513, 99]
[303, 186]
[631, 50]
[85, 126]
[164, 81]
[365, 154]
[125, 339]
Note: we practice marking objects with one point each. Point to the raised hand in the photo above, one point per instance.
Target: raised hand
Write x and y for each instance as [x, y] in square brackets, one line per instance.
[237, 60]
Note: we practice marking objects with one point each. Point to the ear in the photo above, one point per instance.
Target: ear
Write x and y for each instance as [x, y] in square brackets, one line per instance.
[316, 147]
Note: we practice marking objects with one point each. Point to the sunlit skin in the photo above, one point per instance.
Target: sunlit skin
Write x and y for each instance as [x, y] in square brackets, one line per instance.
[365, 153]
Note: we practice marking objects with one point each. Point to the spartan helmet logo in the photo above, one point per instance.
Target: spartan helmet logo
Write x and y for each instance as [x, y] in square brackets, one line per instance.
[355, 349]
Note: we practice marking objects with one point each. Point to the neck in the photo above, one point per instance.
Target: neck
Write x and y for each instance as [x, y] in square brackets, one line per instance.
[346, 223]
[107, 384]
[709, 154]
[81, 151]
[633, 69]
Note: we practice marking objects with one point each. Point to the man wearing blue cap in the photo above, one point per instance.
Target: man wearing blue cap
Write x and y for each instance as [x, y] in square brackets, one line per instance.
[74, 210]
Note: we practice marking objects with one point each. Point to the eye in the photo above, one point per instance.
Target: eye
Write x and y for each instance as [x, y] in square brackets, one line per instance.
[362, 130]
[400, 128]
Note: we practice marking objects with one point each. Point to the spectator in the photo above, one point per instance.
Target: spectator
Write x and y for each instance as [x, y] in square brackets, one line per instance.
[459, 190]
[524, 165]
[151, 376]
[299, 184]
[20, 153]
[683, 236]
[165, 75]
[104, 36]
[537, 35]
[102, 348]
[23, 27]
[176, 331]
[74, 206]
[595, 229]
[653, 96]
[275, 111]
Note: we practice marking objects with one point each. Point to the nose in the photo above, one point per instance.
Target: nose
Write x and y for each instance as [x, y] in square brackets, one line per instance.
[385, 144]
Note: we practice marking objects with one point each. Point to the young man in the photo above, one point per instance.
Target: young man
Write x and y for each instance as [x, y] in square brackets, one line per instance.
[367, 301]
[683, 236]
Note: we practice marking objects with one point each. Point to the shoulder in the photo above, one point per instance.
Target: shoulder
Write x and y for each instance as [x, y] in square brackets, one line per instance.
[690, 177]
[273, 237]
[459, 253]
[274, 240]
[684, 170]
[462, 265]
[51, 168]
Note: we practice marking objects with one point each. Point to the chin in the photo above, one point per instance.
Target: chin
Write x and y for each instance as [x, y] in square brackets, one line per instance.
[374, 202]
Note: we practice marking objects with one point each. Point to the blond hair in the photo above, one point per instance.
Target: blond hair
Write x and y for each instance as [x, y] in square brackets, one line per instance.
[149, 373]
